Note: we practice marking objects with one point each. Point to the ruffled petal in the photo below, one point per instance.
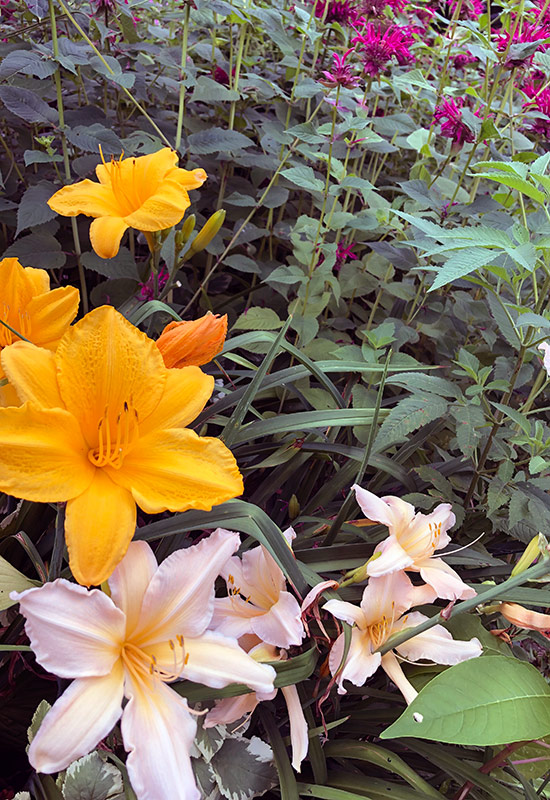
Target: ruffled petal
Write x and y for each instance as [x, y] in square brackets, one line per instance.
[188, 179]
[388, 557]
[233, 616]
[85, 197]
[177, 470]
[105, 362]
[74, 633]
[33, 372]
[360, 663]
[130, 580]
[346, 612]
[372, 506]
[186, 392]
[161, 210]
[299, 738]
[282, 624]
[99, 526]
[8, 395]
[179, 599]
[388, 597]
[43, 456]
[158, 733]
[38, 280]
[444, 580]
[216, 660]
[436, 644]
[18, 284]
[264, 575]
[230, 709]
[105, 235]
[84, 715]
[51, 314]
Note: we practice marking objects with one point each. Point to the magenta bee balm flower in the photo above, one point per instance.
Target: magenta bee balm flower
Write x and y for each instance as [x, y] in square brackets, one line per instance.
[377, 44]
[341, 73]
[449, 115]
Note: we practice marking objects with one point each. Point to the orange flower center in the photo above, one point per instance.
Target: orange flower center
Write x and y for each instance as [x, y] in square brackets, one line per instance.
[435, 531]
[142, 665]
[379, 631]
[18, 320]
[115, 441]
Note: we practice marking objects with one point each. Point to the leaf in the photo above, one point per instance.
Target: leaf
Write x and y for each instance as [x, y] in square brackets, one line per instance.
[37, 717]
[468, 419]
[91, 137]
[407, 416]
[515, 182]
[37, 250]
[304, 177]
[258, 319]
[110, 68]
[212, 140]
[208, 90]
[484, 701]
[122, 265]
[429, 383]
[28, 63]
[503, 321]
[242, 264]
[27, 105]
[243, 769]
[460, 264]
[11, 580]
[33, 207]
[90, 778]
[37, 7]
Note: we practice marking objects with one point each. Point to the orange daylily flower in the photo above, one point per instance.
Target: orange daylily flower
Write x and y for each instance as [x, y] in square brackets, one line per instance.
[29, 307]
[148, 193]
[193, 342]
[102, 426]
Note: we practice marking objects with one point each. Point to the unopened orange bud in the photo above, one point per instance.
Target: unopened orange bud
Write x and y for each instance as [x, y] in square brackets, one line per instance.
[194, 342]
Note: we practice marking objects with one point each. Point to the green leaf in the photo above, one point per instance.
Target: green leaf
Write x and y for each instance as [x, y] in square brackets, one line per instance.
[27, 105]
[37, 250]
[517, 183]
[37, 718]
[306, 420]
[11, 580]
[244, 768]
[91, 137]
[287, 779]
[304, 177]
[90, 778]
[33, 208]
[428, 383]
[483, 701]
[515, 415]
[122, 265]
[258, 319]
[242, 264]
[212, 140]
[505, 324]
[37, 7]
[26, 62]
[460, 264]
[208, 90]
[110, 68]
[407, 416]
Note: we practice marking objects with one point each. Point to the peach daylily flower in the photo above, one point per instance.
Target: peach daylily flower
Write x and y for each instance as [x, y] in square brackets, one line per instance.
[103, 428]
[413, 539]
[148, 193]
[150, 632]
[193, 342]
[231, 709]
[30, 307]
[384, 602]
[258, 602]
[525, 618]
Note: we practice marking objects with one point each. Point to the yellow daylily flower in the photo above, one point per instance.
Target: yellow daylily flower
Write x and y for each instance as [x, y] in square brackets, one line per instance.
[148, 193]
[102, 426]
[29, 307]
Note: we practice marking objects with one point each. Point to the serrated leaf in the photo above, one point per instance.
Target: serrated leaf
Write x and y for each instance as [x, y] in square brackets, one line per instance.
[91, 778]
[11, 580]
[258, 319]
[212, 140]
[484, 701]
[33, 208]
[461, 264]
[26, 62]
[515, 182]
[93, 137]
[242, 264]
[110, 68]
[468, 419]
[503, 321]
[122, 265]
[27, 105]
[37, 718]
[430, 383]
[37, 250]
[304, 177]
[407, 416]
[242, 771]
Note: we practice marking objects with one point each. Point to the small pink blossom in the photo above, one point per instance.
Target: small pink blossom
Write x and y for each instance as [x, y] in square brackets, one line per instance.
[528, 33]
[449, 115]
[463, 59]
[147, 289]
[540, 103]
[378, 43]
[342, 11]
[341, 73]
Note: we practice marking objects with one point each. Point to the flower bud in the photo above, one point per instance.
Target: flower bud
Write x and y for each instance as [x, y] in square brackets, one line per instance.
[186, 230]
[293, 507]
[194, 342]
[537, 545]
[207, 233]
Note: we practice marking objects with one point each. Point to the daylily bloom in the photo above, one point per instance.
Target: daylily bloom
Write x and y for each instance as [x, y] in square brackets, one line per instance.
[413, 539]
[103, 428]
[32, 310]
[525, 618]
[230, 709]
[258, 601]
[151, 631]
[545, 347]
[193, 342]
[376, 619]
[148, 193]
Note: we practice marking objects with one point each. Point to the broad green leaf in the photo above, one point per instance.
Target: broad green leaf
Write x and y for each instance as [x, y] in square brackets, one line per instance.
[304, 177]
[122, 265]
[244, 768]
[258, 319]
[208, 90]
[90, 778]
[483, 701]
[11, 580]
[429, 383]
[517, 183]
[27, 105]
[212, 140]
[459, 265]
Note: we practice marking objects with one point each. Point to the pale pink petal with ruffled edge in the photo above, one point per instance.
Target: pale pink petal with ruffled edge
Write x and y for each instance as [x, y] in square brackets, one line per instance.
[373, 507]
[282, 624]
[437, 644]
[360, 663]
[444, 580]
[231, 709]
[299, 739]
[346, 612]
[388, 557]
[130, 580]
[388, 596]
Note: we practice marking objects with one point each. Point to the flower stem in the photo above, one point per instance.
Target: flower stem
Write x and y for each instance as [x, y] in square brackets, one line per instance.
[183, 62]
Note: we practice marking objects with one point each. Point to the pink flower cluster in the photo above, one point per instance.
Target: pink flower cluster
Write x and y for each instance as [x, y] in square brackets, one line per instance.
[449, 116]
[524, 34]
[378, 43]
[341, 73]
[541, 103]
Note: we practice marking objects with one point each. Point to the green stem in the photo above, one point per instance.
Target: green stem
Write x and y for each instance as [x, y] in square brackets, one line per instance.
[183, 72]
[235, 81]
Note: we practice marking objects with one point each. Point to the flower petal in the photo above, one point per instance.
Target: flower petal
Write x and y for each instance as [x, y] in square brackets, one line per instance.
[345, 611]
[393, 670]
[51, 314]
[188, 179]
[545, 347]
[282, 624]
[388, 596]
[372, 506]
[176, 470]
[388, 557]
[444, 580]
[74, 633]
[85, 197]
[216, 660]
[179, 600]
[105, 362]
[130, 580]
[299, 738]
[230, 709]
[525, 618]
[193, 342]
[158, 732]
[99, 526]
[436, 644]
[32, 370]
[233, 616]
[262, 573]
[186, 392]
[43, 456]
[360, 663]
[161, 210]
[105, 235]
[84, 714]
[8, 395]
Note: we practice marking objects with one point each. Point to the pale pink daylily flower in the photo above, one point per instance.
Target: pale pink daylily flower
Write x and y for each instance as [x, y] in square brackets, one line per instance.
[151, 631]
[258, 601]
[545, 347]
[413, 539]
[230, 709]
[379, 616]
